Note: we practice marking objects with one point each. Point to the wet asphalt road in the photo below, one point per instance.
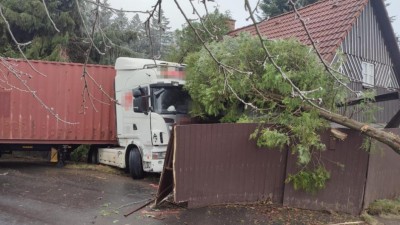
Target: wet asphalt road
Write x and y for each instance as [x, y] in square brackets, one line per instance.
[40, 193]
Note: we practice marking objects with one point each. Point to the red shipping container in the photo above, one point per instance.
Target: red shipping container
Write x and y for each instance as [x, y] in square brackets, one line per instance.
[23, 119]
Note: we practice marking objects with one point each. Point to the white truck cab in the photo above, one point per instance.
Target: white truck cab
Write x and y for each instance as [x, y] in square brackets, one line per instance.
[151, 99]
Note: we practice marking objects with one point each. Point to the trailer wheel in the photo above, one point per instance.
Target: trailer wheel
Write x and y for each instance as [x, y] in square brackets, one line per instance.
[93, 155]
[135, 164]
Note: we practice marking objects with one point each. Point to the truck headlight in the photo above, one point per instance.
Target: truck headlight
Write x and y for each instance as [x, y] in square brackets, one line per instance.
[158, 155]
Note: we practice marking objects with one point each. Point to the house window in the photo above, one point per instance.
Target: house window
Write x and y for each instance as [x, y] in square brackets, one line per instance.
[368, 74]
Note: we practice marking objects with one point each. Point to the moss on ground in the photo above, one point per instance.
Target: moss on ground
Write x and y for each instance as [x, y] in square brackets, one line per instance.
[385, 207]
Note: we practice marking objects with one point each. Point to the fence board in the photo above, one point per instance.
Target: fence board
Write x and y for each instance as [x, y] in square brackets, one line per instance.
[345, 190]
[221, 165]
[383, 173]
[217, 163]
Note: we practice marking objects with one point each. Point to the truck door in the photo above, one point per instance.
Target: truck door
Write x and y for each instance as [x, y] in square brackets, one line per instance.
[140, 120]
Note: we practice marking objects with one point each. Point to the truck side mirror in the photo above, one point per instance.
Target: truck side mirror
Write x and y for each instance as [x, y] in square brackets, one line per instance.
[137, 94]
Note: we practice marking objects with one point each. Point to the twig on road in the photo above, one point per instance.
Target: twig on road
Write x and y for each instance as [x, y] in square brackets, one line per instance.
[349, 223]
[133, 203]
[140, 207]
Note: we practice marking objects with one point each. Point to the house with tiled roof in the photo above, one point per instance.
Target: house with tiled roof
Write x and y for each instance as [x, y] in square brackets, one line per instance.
[359, 30]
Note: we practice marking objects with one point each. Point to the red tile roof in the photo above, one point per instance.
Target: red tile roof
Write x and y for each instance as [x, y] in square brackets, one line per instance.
[328, 21]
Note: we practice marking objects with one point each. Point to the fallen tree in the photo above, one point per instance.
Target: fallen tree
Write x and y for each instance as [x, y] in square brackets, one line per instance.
[289, 87]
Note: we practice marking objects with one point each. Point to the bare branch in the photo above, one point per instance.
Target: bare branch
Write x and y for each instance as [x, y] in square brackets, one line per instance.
[48, 15]
[34, 94]
[102, 5]
[201, 21]
[278, 68]
[85, 91]
[10, 86]
[313, 43]
[148, 27]
[254, 10]
[101, 88]
[86, 29]
[235, 94]
[148, 33]
[151, 14]
[17, 43]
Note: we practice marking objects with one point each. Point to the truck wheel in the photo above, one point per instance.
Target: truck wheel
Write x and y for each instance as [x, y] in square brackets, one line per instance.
[135, 164]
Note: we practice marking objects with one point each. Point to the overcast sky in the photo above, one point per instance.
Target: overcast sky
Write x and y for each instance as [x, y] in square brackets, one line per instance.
[236, 8]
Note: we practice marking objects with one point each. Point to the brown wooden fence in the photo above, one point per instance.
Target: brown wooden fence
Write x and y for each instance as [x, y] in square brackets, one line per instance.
[383, 173]
[218, 163]
[347, 164]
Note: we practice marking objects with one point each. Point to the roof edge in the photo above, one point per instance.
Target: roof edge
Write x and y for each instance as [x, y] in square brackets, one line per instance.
[277, 16]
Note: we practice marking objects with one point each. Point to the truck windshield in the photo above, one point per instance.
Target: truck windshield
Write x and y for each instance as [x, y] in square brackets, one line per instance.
[170, 100]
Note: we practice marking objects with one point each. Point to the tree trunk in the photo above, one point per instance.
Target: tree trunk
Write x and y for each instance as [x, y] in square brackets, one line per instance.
[390, 139]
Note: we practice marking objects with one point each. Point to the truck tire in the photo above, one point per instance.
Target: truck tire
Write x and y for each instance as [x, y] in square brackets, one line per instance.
[135, 164]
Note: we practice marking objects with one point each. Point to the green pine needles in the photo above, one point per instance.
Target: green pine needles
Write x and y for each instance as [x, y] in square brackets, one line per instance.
[310, 180]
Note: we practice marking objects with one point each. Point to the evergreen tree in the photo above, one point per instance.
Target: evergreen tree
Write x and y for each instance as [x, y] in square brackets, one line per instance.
[272, 8]
[155, 38]
[139, 45]
[114, 37]
[212, 27]
[29, 22]
[161, 34]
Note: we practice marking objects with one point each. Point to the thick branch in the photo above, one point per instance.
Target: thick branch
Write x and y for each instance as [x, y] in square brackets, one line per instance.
[390, 139]
[387, 138]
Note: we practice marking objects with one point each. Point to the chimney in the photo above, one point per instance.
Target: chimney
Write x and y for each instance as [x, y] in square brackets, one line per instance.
[230, 23]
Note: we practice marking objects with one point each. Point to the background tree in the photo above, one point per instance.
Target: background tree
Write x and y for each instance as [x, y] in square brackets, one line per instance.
[140, 44]
[160, 36]
[272, 8]
[115, 37]
[29, 23]
[133, 38]
[211, 27]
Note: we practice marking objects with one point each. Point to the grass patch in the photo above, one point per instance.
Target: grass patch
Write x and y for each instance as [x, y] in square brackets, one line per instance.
[100, 168]
[369, 219]
[384, 207]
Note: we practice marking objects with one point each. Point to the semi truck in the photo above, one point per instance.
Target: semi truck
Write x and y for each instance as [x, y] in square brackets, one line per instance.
[125, 113]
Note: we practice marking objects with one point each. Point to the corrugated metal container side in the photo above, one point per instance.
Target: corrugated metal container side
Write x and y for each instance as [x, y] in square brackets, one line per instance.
[23, 119]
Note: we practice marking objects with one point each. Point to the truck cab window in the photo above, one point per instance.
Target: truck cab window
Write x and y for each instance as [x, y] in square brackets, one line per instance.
[170, 99]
